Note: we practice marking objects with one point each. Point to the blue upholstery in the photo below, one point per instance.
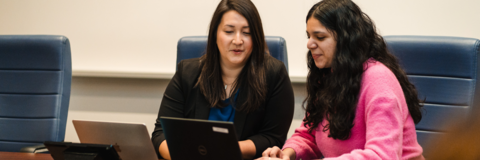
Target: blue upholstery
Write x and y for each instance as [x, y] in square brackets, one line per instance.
[445, 72]
[35, 78]
[195, 46]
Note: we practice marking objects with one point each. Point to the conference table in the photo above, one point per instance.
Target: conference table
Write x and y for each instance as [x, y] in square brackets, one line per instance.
[24, 156]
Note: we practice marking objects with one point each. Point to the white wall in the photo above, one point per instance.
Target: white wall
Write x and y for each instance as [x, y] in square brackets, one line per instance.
[141, 36]
[114, 99]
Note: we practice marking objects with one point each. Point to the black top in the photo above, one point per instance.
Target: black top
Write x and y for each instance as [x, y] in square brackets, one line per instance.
[266, 126]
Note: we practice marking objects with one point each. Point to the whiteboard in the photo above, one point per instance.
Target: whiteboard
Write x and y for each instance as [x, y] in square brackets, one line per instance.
[140, 36]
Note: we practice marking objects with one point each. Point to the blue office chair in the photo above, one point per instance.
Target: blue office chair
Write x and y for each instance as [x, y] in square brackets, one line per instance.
[445, 72]
[35, 78]
[195, 46]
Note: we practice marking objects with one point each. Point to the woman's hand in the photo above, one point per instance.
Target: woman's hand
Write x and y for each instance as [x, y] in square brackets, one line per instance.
[163, 149]
[275, 153]
[268, 158]
[247, 147]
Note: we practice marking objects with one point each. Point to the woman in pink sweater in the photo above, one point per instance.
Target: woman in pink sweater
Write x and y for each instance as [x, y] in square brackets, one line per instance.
[360, 103]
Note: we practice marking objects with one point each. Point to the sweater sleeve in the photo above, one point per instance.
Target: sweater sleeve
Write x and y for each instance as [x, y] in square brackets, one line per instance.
[385, 115]
[303, 143]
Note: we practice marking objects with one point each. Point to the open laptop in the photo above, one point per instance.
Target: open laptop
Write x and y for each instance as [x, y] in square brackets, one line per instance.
[200, 139]
[130, 140]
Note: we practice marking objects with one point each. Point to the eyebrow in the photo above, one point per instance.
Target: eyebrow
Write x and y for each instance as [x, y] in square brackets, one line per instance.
[318, 32]
[229, 25]
[315, 33]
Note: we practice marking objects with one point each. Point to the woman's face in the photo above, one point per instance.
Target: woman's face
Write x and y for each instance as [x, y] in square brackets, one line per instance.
[233, 40]
[321, 43]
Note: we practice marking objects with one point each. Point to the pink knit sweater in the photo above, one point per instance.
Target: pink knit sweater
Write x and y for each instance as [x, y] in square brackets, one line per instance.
[383, 127]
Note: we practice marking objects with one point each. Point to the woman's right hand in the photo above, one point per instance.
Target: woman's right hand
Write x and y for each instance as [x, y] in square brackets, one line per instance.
[274, 153]
[163, 149]
[268, 158]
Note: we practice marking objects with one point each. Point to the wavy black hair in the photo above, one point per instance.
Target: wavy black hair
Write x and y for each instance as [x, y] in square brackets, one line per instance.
[252, 78]
[333, 92]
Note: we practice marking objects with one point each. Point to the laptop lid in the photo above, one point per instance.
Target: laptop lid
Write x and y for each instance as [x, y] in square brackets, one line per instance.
[132, 139]
[200, 139]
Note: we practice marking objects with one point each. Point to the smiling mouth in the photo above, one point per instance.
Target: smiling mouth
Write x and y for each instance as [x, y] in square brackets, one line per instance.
[316, 55]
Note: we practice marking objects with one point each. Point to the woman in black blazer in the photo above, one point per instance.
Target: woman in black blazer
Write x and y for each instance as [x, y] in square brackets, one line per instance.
[236, 76]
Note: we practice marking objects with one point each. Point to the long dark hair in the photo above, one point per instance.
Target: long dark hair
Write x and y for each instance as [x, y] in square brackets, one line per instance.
[333, 92]
[252, 77]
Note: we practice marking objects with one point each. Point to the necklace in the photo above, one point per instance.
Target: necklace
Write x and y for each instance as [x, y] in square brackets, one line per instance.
[226, 85]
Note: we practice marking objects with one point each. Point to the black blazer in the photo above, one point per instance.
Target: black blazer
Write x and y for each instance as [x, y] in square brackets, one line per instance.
[266, 127]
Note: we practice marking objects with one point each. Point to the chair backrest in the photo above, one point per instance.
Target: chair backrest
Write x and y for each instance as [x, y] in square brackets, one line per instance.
[195, 46]
[445, 72]
[35, 78]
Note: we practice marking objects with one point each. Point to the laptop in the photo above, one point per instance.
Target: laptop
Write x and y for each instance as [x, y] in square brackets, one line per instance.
[200, 139]
[130, 140]
[69, 151]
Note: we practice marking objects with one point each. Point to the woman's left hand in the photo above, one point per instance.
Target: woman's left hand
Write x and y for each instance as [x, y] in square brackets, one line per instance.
[268, 158]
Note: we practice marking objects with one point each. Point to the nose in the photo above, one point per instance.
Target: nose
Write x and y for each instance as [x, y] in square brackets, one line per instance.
[311, 43]
[238, 39]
